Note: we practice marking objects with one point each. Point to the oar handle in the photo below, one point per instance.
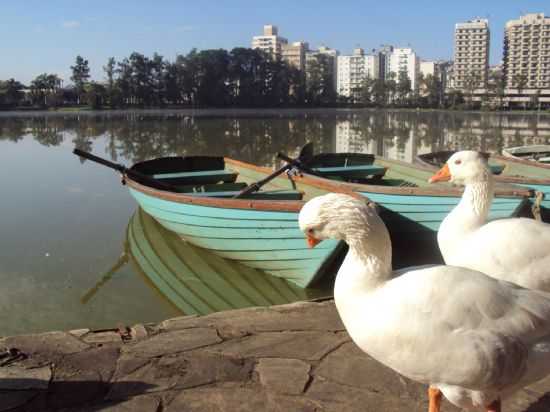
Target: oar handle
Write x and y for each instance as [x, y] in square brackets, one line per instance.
[257, 185]
[296, 162]
[123, 169]
[104, 162]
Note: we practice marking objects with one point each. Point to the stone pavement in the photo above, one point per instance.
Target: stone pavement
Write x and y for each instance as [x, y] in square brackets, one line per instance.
[288, 358]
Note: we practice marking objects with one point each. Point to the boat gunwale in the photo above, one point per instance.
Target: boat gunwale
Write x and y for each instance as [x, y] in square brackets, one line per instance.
[293, 206]
[500, 178]
[351, 188]
[515, 159]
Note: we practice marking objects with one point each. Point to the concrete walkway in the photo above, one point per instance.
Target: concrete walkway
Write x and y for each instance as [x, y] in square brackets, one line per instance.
[288, 358]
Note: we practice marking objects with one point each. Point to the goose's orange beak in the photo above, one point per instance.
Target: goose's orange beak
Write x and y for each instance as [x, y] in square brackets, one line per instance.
[443, 175]
[311, 241]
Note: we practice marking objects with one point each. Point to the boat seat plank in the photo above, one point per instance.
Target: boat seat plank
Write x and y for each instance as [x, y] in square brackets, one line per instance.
[203, 176]
[362, 170]
[216, 187]
[263, 195]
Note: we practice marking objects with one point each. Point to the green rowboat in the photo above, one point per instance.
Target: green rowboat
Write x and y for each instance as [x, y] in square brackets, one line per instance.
[412, 208]
[259, 230]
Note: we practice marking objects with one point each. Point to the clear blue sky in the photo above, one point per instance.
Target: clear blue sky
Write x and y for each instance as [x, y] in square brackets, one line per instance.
[40, 36]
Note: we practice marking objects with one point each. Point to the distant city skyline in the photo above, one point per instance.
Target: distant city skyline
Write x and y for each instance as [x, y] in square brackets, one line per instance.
[40, 37]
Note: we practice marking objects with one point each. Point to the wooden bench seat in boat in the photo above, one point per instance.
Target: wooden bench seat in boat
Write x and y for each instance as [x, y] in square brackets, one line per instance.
[198, 177]
[216, 187]
[355, 172]
[261, 195]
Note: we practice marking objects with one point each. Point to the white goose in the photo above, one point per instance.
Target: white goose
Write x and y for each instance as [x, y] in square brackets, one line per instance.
[476, 345]
[513, 249]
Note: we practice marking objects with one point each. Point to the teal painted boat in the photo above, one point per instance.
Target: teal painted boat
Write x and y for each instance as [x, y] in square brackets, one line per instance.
[260, 230]
[530, 174]
[438, 159]
[197, 281]
[411, 208]
[536, 152]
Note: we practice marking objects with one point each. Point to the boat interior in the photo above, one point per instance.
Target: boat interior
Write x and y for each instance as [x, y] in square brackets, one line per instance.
[206, 176]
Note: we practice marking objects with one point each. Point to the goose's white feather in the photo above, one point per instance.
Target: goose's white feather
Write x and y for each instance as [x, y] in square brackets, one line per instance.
[513, 249]
[475, 337]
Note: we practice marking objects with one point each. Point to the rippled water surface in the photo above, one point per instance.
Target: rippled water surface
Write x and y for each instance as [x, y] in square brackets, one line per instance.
[75, 251]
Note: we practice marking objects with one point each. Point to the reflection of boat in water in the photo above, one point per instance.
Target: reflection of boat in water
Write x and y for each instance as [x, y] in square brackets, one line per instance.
[197, 281]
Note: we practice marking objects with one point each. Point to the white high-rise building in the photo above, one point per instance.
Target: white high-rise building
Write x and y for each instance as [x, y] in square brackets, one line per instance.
[353, 70]
[471, 53]
[527, 51]
[404, 59]
[270, 41]
[428, 68]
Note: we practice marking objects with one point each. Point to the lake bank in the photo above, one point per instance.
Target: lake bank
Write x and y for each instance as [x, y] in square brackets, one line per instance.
[256, 112]
[294, 357]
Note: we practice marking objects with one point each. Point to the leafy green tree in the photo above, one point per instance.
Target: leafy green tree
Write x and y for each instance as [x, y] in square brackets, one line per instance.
[109, 70]
[391, 87]
[520, 81]
[534, 100]
[433, 90]
[379, 92]
[80, 76]
[366, 91]
[158, 74]
[44, 89]
[497, 86]
[471, 83]
[319, 81]
[247, 72]
[124, 82]
[96, 95]
[403, 86]
[11, 93]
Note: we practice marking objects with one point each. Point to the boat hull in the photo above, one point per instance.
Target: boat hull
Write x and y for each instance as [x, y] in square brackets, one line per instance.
[196, 281]
[267, 240]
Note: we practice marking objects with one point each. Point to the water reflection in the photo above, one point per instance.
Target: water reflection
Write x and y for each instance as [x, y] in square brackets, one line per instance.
[194, 280]
[62, 224]
[136, 136]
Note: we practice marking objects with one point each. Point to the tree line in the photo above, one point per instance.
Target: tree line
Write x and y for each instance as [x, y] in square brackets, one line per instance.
[241, 77]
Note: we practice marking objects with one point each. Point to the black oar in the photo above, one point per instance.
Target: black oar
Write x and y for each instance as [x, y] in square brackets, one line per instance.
[124, 170]
[297, 164]
[305, 155]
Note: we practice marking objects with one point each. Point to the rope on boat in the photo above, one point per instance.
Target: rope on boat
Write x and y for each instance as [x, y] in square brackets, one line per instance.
[535, 209]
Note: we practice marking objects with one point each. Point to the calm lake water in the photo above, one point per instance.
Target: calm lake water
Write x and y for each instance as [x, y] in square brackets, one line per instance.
[76, 252]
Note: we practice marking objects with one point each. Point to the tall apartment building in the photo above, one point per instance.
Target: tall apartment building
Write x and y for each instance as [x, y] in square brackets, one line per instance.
[331, 57]
[353, 70]
[295, 54]
[527, 51]
[471, 58]
[404, 59]
[384, 54]
[270, 41]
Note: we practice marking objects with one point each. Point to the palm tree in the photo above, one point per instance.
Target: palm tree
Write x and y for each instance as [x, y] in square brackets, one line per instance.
[520, 81]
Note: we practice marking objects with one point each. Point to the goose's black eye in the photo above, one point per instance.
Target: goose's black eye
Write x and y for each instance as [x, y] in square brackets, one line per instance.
[310, 231]
[458, 161]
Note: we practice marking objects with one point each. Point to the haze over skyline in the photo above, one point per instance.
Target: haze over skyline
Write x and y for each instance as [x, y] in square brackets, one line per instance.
[43, 37]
